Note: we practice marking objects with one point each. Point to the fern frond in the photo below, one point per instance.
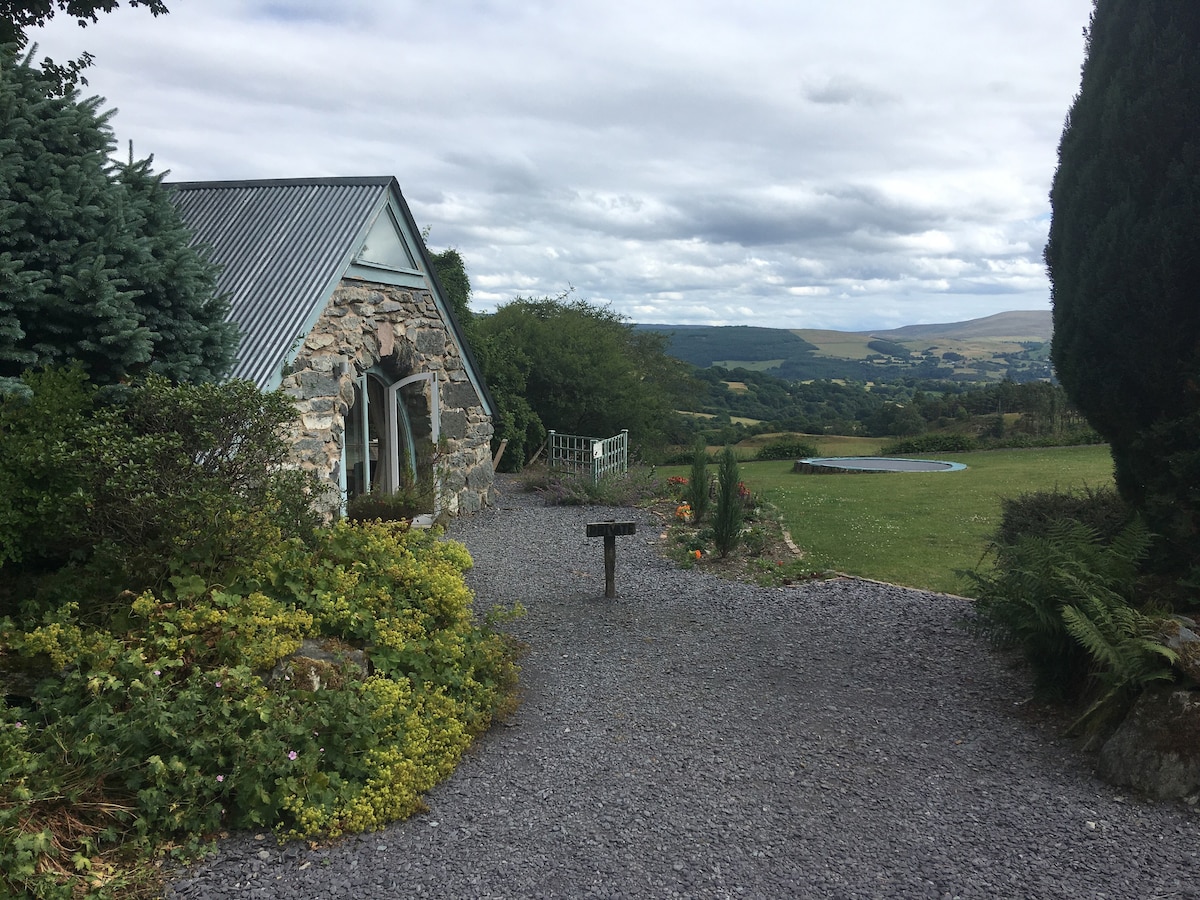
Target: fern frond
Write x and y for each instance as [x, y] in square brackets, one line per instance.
[1094, 630]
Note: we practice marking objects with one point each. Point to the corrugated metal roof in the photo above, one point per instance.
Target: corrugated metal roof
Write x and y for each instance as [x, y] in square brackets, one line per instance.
[281, 245]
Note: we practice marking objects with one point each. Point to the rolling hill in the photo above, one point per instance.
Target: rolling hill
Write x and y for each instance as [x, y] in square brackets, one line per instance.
[1010, 344]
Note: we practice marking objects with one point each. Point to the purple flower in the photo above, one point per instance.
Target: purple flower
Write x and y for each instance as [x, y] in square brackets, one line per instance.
[218, 684]
[220, 778]
[292, 754]
[157, 671]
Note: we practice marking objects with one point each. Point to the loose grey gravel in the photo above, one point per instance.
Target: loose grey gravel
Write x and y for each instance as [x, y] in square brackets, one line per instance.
[697, 737]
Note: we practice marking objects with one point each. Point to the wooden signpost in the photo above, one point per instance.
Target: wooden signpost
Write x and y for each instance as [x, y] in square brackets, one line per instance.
[609, 531]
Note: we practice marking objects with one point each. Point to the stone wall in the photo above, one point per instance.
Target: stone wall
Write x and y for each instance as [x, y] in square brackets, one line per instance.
[368, 323]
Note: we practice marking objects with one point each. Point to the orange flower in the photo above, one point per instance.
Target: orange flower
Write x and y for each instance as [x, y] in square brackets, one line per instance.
[697, 553]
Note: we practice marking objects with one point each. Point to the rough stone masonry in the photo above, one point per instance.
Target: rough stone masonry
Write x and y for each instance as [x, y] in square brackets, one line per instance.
[366, 324]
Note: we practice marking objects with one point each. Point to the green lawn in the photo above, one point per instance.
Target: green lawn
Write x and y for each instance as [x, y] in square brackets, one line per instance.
[916, 529]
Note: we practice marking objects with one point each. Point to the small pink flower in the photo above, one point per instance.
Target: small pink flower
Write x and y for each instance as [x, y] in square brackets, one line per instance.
[292, 754]
[157, 671]
[220, 778]
[218, 684]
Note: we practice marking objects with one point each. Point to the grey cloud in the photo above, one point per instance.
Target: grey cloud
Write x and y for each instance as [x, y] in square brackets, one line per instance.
[841, 90]
[784, 163]
[820, 215]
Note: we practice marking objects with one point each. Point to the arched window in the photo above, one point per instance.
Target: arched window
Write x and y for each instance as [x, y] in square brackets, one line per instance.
[392, 429]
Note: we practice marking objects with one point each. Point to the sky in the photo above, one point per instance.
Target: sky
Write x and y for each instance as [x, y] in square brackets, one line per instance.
[852, 165]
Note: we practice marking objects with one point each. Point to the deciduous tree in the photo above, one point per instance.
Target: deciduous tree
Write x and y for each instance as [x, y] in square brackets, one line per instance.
[584, 369]
[452, 275]
[17, 16]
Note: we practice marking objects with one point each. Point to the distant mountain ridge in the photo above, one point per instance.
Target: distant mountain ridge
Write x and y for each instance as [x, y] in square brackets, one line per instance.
[1027, 325]
[1006, 345]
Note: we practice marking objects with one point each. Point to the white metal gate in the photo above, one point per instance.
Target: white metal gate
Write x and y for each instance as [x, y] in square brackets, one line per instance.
[581, 455]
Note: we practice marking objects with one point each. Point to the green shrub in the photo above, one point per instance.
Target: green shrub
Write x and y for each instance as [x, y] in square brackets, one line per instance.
[397, 506]
[1036, 513]
[696, 493]
[788, 448]
[754, 541]
[931, 443]
[120, 489]
[158, 565]
[676, 458]
[728, 516]
[635, 487]
[1023, 598]
[1072, 437]
[186, 724]
[54, 407]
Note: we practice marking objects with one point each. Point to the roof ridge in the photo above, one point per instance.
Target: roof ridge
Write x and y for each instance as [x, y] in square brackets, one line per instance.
[380, 180]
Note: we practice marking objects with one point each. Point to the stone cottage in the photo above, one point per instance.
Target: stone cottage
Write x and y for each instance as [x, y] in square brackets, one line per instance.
[338, 305]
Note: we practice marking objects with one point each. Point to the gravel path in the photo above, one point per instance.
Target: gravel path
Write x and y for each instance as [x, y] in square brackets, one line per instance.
[701, 738]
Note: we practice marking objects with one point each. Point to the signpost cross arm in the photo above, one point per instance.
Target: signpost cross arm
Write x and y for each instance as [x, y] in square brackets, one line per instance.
[609, 531]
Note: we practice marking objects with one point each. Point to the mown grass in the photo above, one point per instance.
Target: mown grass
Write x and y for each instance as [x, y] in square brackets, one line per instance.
[915, 529]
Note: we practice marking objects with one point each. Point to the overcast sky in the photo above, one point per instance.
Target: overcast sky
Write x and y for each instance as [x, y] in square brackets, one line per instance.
[790, 163]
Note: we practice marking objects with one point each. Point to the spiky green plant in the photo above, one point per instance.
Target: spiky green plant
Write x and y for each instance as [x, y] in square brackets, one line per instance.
[697, 487]
[727, 519]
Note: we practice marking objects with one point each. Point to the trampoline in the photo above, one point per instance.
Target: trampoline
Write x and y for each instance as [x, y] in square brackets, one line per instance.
[834, 464]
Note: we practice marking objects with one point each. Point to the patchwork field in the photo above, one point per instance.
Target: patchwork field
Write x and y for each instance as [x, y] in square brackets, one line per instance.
[1011, 344]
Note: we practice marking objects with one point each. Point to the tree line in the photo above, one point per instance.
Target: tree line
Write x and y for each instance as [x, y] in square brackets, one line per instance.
[563, 364]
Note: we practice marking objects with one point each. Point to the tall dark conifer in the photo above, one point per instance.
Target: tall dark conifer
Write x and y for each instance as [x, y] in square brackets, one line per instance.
[1124, 256]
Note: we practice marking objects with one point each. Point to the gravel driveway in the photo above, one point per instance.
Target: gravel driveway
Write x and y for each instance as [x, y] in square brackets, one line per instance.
[701, 738]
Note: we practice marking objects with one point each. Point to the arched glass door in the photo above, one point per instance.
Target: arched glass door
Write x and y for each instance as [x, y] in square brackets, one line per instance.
[391, 431]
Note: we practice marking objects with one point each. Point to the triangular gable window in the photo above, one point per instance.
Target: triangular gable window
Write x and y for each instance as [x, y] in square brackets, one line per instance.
[385, 245]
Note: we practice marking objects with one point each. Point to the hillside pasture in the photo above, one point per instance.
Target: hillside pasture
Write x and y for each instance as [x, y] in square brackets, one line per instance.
[737, 420]
[976, 358]
[990, 348]
[836, 344]
[845, 345]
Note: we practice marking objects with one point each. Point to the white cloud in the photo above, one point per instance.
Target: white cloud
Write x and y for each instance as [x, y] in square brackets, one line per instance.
[775, 163]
